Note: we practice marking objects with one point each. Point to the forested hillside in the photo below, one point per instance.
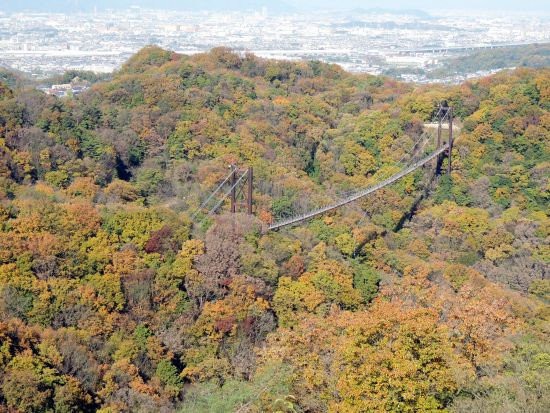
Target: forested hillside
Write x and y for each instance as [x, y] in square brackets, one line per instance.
[532, 55]
[430, 295]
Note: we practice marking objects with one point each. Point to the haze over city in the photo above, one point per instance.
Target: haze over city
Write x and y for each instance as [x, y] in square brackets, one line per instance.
[289, 5]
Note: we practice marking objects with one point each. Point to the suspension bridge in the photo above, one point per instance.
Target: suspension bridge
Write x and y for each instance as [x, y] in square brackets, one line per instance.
[444, 120]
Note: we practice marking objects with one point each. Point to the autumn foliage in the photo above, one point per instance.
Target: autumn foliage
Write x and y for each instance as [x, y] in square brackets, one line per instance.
[115, 296]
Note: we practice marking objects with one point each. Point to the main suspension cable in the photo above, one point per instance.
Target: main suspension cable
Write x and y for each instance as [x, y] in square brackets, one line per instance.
[226, 194]
[211, 196]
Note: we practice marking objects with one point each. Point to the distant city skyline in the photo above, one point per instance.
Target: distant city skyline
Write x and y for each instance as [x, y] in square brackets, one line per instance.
[274, 5]
[413, 44]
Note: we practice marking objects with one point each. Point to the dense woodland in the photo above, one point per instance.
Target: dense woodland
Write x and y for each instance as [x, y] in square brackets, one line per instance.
[430, 295]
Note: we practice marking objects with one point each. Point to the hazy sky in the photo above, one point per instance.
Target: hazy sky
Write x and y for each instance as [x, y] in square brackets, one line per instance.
[429, 4]
[71, 5]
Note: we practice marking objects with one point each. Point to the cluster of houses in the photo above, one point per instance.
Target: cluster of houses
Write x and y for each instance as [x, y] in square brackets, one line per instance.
[76, 87]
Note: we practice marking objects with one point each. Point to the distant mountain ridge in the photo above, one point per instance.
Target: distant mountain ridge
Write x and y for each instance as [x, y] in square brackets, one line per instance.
[70, 6]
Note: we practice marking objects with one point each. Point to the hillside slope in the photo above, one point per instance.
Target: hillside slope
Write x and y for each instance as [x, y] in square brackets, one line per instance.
[422, 297]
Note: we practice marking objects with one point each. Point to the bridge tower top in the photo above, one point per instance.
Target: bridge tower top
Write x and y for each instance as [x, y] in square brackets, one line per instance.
[445, 113]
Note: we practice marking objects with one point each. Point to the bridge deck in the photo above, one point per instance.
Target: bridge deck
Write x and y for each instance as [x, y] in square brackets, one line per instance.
[359, 194]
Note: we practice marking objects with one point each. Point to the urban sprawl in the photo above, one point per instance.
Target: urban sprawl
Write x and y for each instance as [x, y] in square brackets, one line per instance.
[358, 40]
